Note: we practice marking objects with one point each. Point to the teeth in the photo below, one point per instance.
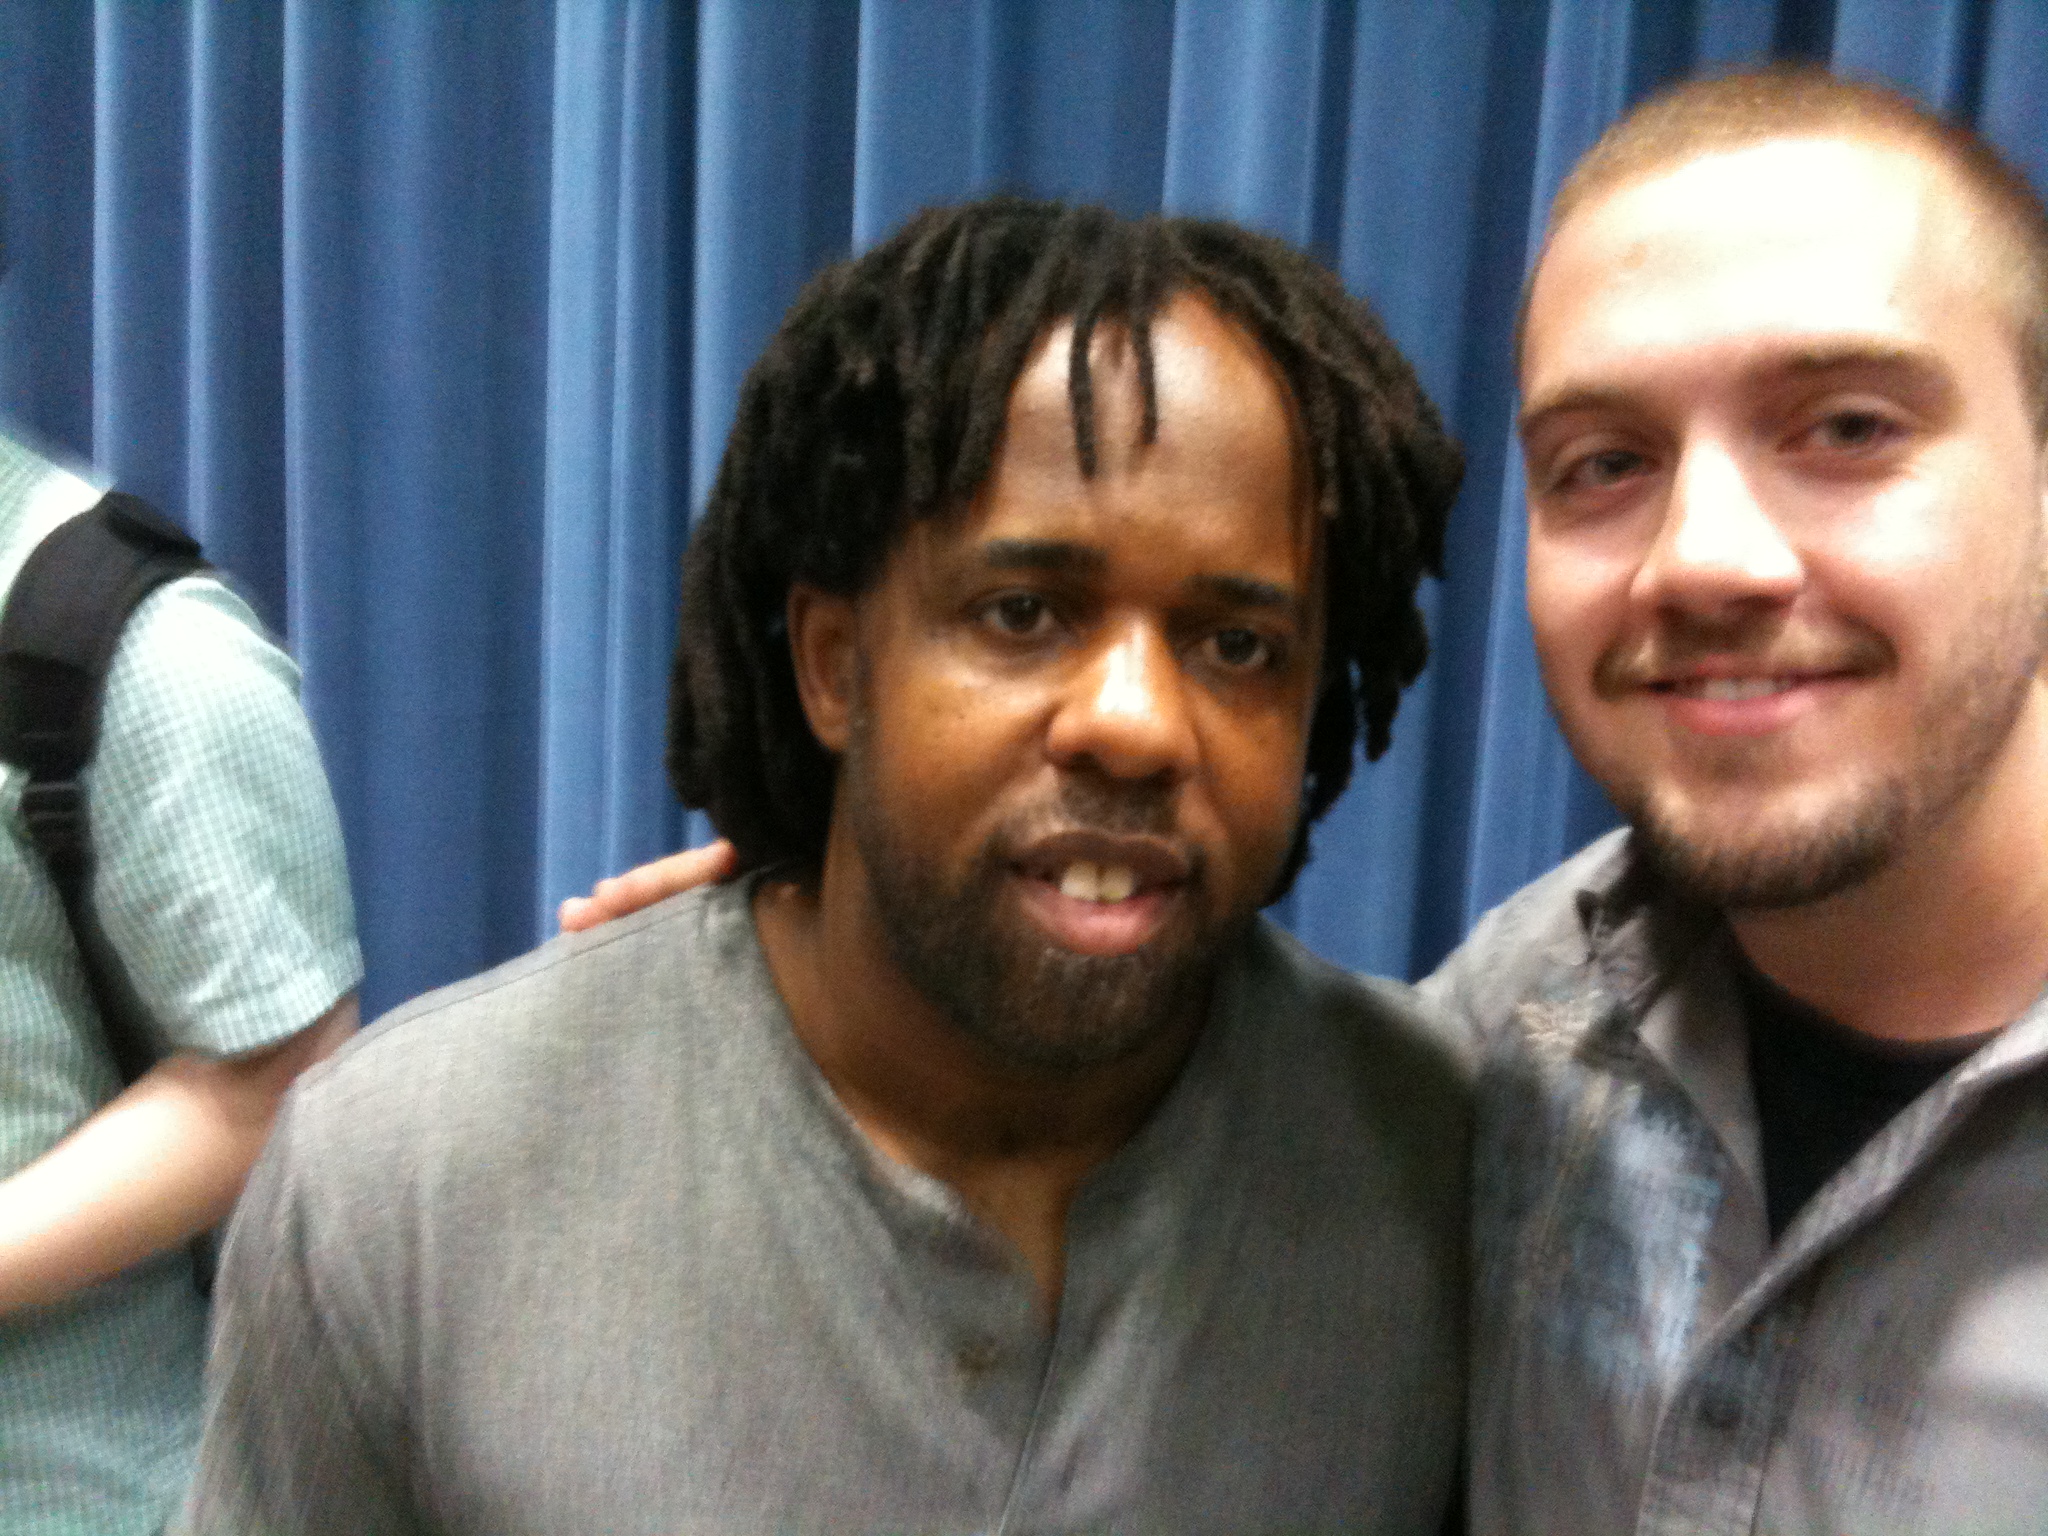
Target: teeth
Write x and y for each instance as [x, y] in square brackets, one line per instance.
[1083, 881]
[1737, 688]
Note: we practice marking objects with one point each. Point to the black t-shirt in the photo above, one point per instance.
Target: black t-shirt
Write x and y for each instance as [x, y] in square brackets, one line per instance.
[1823, 1090]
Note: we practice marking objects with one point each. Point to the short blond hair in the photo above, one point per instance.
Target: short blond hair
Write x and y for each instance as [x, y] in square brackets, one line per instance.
[1735, 111]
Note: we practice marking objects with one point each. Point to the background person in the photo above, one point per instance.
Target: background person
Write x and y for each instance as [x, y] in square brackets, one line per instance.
[220, 884]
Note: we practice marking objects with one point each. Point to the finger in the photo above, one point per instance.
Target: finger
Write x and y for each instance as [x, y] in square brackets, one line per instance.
[652, 882]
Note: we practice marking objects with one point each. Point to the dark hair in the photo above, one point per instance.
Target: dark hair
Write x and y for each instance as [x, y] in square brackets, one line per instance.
[1719, 113]
[882, 399]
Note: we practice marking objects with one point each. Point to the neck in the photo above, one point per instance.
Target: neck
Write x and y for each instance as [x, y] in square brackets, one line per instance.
[1015, 1142]
[1951, 937]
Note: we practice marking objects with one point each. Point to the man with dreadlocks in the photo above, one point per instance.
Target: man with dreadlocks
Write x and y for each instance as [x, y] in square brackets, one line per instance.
[979, 1161]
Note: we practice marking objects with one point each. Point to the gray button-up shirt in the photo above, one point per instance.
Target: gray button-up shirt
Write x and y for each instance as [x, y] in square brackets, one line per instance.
[1644, 1359]
[586, 1244]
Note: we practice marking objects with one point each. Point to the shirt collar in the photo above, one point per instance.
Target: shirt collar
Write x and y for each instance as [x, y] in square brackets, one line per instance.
[1639, 934]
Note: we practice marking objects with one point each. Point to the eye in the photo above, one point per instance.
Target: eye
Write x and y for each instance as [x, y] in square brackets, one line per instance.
[1018, 615]
[1596, 471]
[1852, 431]
[1242, 650]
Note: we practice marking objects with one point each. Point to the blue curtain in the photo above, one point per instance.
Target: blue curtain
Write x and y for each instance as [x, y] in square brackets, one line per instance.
[428, 315]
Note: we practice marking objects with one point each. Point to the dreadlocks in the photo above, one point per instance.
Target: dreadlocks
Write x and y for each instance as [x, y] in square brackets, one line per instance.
[883, 397]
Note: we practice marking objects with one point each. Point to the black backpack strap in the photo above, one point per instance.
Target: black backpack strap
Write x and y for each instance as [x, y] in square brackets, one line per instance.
[58, 633]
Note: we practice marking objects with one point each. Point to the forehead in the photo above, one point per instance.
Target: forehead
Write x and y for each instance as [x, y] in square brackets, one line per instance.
[1787, 239]
[1225, 476]
[1210, 376]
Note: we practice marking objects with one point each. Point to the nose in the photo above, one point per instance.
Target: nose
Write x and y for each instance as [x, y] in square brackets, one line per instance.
[1719, 546]
[1126, 711]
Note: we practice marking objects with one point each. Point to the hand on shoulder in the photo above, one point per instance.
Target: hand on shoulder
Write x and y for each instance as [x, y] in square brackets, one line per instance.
[649, 883]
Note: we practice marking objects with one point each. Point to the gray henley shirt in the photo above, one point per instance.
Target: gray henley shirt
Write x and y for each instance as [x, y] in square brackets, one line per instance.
[586, 1244]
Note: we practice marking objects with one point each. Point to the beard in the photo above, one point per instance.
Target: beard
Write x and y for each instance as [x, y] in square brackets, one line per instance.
[1792, 867]
[1029, 1002]
[1778, 863]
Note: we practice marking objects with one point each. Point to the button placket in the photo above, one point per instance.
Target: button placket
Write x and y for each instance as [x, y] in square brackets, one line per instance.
[1707, 1471]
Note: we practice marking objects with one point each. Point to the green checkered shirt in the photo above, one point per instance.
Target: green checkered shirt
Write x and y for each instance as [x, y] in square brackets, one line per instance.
[220, 882]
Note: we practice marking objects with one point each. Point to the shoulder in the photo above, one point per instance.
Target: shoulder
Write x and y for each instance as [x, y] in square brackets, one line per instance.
[35, 497]
[576, 1039]
[219, 873]
[200, 695]
[208, 782]
[1376, 1043]
[479, 1133]
[192, 657]
[1374, 1010]
[194, 653]
[628, 964]
[1354, 1114]
[1517, 950]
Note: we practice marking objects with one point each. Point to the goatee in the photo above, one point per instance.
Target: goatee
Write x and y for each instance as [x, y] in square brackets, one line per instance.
[1028, 1001]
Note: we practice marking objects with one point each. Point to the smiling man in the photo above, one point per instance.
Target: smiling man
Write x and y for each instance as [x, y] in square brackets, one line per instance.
[979, 1161]
[1762, 1198]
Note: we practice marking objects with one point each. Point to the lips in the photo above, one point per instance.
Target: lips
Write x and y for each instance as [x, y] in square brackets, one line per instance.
[1741, 678]
[1732, 689]
[1099, 893]
[1713, 702]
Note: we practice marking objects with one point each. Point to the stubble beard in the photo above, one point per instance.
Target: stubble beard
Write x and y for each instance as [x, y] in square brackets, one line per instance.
[1957, 735]
[1789, 868]
[1029, 1002]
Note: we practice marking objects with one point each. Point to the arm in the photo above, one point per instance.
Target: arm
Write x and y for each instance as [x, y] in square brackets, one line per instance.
[644, 886]
[158, 1164]
[219, 883]
[307, 1430]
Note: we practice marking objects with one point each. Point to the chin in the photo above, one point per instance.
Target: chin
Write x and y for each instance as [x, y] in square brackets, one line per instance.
[1752, 864]
[1050, 1010]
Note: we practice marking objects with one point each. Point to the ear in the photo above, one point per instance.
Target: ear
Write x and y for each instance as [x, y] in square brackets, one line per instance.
[2041, 464]
[824, 647]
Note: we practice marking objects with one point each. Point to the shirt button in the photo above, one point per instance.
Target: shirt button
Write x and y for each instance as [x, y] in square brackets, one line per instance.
[978, 1356]
[1720, 1409]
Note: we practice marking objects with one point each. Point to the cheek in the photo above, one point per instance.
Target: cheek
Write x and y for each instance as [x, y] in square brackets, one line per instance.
[1577, 606]
[1255, 768]
[1927, 559]
[946, 737]
[1911, 526]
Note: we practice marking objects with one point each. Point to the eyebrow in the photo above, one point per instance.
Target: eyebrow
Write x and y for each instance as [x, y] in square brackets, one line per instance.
[1249, 592]
[1860, 354]
[1041, 555]
[1807, 362]
[1587, 398]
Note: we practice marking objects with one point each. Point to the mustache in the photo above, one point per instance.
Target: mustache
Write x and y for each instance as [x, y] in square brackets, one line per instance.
[1113, 809]
[1763, 644]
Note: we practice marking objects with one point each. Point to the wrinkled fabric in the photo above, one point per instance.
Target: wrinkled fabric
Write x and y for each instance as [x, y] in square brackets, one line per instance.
[587, 1244]
[1644, 1359]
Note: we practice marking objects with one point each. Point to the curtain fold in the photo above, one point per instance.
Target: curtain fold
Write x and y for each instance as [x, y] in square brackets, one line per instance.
[616, 427]
[46, 155]
[416, 192]
[429, 319]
